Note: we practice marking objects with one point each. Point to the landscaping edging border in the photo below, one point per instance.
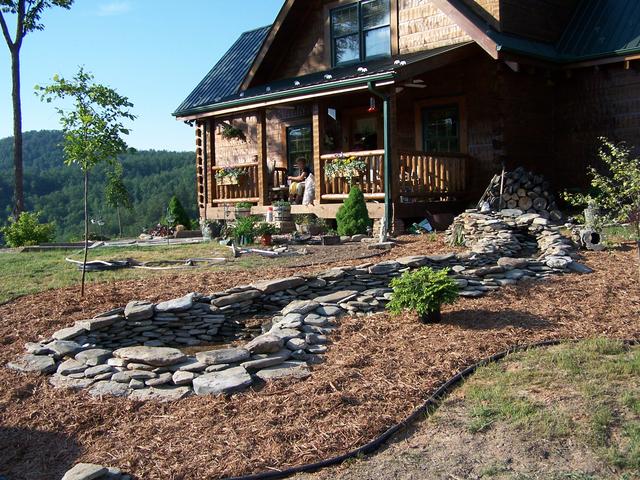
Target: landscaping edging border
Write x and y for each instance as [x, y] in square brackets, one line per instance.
[433, 401]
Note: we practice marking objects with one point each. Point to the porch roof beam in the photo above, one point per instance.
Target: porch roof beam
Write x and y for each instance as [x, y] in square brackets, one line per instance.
[289, 96]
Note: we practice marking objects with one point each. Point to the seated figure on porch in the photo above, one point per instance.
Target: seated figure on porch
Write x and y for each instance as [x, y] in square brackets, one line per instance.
[302, 187]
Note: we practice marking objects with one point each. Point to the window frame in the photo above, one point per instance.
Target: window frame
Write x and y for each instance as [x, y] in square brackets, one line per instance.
[297, 125]
[362, 56]
[461, 103]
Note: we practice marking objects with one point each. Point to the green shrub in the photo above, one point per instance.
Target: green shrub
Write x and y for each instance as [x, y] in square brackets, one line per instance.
[265, 228]
[244, 229]
[176, 214]
[28, 230]
[422, 291]
[353, 217]
[244, 205]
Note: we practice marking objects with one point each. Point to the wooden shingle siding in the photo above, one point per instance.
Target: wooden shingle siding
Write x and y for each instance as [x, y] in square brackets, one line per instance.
[423, 27]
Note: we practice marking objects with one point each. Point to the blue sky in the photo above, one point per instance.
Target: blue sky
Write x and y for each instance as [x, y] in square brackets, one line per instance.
[153, 51]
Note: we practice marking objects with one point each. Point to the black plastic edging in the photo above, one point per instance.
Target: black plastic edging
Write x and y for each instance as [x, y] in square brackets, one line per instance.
[432, 401]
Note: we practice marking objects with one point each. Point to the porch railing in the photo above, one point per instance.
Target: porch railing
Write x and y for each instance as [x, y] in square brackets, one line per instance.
[425, 175]
[371, 183]
[246, 190]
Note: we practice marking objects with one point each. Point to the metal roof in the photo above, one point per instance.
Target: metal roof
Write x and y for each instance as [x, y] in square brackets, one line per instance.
[227, 75]
[326, 80]
[602, 28]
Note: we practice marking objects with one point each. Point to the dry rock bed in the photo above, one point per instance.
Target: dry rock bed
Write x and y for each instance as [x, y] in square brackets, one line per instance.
[328, 372]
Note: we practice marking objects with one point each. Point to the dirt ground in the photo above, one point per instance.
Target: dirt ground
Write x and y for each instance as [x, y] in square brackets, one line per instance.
[378, 370]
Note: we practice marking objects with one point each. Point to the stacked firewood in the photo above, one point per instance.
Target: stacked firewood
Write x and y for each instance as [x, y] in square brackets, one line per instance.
[524, 191]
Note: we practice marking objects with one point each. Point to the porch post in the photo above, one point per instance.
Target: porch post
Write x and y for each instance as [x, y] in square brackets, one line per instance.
[317, 135]
[263, 169]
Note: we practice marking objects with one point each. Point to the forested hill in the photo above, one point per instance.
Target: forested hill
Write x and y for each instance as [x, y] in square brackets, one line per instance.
[55, 189]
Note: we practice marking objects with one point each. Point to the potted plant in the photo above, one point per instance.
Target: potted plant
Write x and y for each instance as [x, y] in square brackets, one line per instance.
[230, 175]
[423, 291]
[281, 211]
[266, 231]
[244, 230]
[349, 168]
[229, 132]
[210, 229]
[243, 209]
[309, 224]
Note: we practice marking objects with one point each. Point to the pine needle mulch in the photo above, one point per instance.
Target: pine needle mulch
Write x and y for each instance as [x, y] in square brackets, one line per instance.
[378, 370]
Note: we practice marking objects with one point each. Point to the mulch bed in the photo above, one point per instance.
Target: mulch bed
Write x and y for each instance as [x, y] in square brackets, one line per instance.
[378, 370]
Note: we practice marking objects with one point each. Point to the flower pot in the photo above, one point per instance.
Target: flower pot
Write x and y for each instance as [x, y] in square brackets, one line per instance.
[206, 232]
[229, 181]
[431, 317]
[282, 213]
[266, 240]
[241, 212]
[245, 240]
[330, 240]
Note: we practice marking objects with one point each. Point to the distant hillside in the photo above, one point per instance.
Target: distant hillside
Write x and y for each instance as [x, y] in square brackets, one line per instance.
[152, 177]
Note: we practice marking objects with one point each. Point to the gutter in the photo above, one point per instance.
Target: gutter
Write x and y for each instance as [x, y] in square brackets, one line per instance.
[212, 108]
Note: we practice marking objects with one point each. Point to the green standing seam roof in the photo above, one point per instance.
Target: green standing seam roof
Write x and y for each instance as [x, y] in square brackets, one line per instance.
[226, 77]
[598, 28]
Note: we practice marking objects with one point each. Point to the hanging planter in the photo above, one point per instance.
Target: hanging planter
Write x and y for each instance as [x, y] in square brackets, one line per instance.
[230, 176]
[229, 132]
[349, 168]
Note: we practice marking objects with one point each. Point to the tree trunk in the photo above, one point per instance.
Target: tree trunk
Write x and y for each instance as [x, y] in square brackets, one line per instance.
[119, 221]
[86, 230]
[17, 133]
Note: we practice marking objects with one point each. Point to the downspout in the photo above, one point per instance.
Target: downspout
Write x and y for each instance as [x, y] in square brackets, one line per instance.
[386, 223]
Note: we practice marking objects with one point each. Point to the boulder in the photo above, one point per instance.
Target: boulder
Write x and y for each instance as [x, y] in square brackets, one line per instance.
[224, 382]
[176, 305]
[33, 364]
[137, 310]
[266, 343]
[85, 471]
[155, 356]
[227, 355]
[284, 370]
[272, 286]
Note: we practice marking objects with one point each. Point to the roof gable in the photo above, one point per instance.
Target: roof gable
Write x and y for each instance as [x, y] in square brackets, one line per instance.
[226, 77]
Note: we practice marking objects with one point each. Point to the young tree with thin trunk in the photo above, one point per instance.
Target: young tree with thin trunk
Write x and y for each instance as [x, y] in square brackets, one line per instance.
[27, 14]
[93, 128]
[116, 194]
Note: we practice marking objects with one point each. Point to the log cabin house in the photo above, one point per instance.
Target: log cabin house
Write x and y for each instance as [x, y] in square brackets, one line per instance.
[436, 96]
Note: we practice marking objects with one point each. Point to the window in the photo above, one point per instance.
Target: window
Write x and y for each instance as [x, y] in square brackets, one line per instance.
[441, 129]
[299, 144]
[361, 31]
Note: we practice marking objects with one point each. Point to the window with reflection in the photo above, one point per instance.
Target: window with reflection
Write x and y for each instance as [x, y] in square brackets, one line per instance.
[441, 129]
[361, 31]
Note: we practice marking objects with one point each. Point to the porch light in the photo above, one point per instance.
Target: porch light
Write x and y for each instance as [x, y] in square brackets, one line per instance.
[296, 83]
[372, 105]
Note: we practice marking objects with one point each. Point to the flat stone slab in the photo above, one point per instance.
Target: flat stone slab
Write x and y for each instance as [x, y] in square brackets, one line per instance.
[272, 286]
[161, 394]
[284, 370]
[300, 306]
[285, 333]
[235, 298]
[176, 305]
[33, 364]
[224, 382]
[138, 310]
[71, 366]
[266, 343]
[85, 471]
[227, 355]
[413, 261]
[60, 381]
[442, 258]
[94, 356]
[100, 322]
[268, 361]
[64, 347]
[337, 297]
[69, 333]
[385, 267]
[128, 375]
[155, 356]
[111, 389]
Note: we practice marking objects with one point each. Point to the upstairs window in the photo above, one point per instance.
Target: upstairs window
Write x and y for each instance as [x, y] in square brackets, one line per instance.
[361, 31]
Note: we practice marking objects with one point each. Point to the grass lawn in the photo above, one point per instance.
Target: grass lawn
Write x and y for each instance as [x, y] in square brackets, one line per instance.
[33, 272]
